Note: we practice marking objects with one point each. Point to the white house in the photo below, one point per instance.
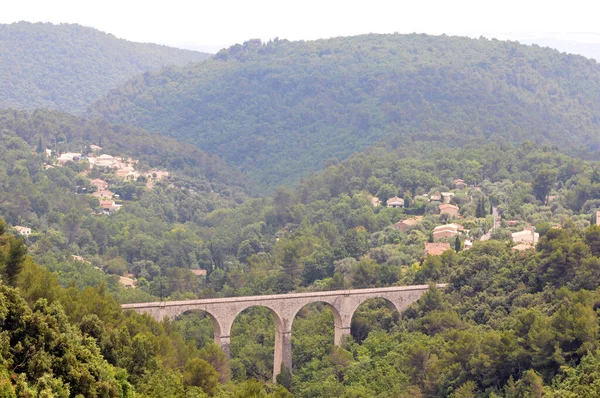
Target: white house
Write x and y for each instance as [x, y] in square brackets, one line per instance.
[446, 231]
[395, 202]
[24, 231]
[526, 236]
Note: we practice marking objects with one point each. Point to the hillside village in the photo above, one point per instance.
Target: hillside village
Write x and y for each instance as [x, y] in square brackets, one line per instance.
[100, 170]
[93, 162]
[452, 234]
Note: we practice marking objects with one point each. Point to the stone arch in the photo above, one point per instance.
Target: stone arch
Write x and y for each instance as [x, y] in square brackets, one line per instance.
[389, 303]
[277, 318]
[388, 300]
[339, 330]
[281, 352]
[338, 322]
[217, 328]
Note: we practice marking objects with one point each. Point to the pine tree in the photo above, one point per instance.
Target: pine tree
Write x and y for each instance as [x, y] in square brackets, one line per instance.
[480, 210]
[284, 378]
[14, 262]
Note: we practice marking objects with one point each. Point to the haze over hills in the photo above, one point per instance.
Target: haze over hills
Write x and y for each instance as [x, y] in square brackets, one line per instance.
[281, 109]
[67, 66]
[582, 43]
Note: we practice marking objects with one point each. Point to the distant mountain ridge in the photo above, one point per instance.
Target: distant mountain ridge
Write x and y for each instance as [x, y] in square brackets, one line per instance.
[281, 110]
[67, 67]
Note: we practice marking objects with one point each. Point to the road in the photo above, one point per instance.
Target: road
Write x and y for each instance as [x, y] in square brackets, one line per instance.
[495, 225]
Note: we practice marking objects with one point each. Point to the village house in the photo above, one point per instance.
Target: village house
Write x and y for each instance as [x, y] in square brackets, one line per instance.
[446, 231]
[68, 157]
[459, 184]
[468, 244]
[527, 236]
[435, 198]
[436, 249]
[132, 175]
[99, 184]
[109, 206]
[447, 197]
[198, 272]
[450, 210]
[522, 247]
[597, 217]
[127, 282]
[512, 223]
[103, 161]
[24, 231]
[404, 225]
[395, 202]
[103, 194]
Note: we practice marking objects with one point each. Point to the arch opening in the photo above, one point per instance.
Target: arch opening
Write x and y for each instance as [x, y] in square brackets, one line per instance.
[204, 330]
[253, 341]
[314, 327]
[198, 326]
[377, 313]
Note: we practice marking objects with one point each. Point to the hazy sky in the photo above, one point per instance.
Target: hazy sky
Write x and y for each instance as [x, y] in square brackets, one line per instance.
[219, 23]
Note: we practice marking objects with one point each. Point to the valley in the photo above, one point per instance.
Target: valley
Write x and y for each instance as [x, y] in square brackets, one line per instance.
[293, 169]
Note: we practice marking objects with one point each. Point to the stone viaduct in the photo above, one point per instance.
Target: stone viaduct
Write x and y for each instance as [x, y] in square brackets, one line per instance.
[284, 308]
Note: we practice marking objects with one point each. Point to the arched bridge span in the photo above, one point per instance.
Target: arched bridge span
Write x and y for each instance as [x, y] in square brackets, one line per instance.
[284, 308]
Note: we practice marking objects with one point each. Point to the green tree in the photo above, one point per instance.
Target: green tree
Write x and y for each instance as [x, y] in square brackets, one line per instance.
[285, 377]
[14, 261]
[199, 373]
[543, 182]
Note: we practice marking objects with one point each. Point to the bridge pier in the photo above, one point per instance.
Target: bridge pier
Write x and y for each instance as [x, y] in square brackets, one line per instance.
[224, 342]
[283, 352]
[340, 334]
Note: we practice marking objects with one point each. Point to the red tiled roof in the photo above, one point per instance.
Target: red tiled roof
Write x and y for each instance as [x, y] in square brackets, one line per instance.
[436, 249]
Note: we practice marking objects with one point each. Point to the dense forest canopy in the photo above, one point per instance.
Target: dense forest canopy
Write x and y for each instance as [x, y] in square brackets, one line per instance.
[67, 66]
[282, 109]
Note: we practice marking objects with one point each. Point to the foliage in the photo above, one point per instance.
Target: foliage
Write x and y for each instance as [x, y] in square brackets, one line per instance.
[281, 109]
[66, 222]
[67, 67]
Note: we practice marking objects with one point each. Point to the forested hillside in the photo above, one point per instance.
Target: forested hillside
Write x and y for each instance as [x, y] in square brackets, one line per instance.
[449, 160]
[282, 109]
[511, 323]
[67, 67]
[57, 200]
[57, 342]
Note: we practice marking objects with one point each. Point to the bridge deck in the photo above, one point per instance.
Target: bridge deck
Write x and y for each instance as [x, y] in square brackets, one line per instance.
[287, 296]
